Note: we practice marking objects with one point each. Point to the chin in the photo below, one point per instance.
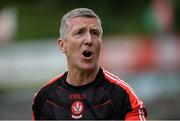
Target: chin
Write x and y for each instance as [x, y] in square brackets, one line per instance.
[88, 67]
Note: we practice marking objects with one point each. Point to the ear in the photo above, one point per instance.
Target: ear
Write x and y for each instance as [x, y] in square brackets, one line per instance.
[61, 45]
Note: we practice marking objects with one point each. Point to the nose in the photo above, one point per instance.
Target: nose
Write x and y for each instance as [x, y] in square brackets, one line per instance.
[88, 39]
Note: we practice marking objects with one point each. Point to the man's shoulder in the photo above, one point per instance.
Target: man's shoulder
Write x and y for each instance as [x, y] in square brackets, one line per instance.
[115, 80]
[124, 86]
[54, 80]
[46, 88]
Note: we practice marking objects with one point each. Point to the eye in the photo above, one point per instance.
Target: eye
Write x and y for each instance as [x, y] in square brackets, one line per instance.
[95, 32]
[79, 32]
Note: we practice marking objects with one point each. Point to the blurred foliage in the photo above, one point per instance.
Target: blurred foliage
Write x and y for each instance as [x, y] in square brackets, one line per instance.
[41, 18]
[177, 15]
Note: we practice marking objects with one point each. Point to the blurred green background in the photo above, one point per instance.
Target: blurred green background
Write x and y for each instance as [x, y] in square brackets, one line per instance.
[118, 16]
[144, 32]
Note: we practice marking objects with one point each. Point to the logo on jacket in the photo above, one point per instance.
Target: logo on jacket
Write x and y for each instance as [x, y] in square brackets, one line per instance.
[77, 109]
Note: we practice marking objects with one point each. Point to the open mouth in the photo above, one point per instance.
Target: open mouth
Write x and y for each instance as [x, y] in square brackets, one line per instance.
[87, 53]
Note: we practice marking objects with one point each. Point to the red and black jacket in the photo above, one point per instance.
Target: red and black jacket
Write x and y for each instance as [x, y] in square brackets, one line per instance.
[107, 97]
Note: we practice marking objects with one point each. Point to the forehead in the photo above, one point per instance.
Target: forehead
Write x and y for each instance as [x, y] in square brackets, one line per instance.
[83, 21]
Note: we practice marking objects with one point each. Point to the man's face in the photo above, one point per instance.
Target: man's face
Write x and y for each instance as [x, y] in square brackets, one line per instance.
[82, 43]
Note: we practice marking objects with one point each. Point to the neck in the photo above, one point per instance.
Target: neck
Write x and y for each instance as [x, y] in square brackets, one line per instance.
[77, 77]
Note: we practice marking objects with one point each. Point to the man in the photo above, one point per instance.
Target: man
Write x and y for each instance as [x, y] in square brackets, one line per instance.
[85, 91]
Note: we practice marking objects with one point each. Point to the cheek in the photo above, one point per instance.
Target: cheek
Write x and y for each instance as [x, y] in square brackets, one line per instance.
[99, 44]
[71, 47]
[98, 48]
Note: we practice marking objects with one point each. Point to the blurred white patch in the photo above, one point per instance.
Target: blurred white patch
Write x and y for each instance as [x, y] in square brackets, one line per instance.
[8, 24]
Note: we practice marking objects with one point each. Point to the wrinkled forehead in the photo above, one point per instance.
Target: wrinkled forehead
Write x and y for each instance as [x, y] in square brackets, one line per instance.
[83, 21]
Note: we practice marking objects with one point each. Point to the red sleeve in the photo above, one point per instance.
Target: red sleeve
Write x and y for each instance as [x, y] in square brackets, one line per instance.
[138, 113]
[33, 117]
[138, 109]
[34, 108]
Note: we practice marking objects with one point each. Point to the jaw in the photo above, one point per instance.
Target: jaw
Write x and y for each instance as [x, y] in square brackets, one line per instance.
[83, 65]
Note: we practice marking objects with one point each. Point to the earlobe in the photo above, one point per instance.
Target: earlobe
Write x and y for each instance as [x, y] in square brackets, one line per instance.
[61, 45]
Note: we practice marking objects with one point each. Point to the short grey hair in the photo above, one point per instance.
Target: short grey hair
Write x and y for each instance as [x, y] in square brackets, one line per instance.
[78, 12]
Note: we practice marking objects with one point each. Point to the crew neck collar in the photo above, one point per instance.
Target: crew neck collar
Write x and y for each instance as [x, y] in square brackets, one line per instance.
[93, 83]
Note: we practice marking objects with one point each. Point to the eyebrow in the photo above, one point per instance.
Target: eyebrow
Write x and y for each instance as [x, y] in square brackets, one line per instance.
[79, 27]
